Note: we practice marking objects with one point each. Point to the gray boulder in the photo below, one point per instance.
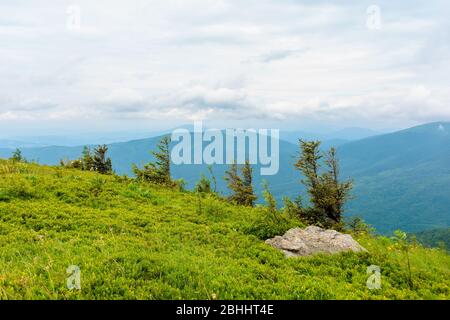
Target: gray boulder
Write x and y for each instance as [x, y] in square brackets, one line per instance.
[313, 240]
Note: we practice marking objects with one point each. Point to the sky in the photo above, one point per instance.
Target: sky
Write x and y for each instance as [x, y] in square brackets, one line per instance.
[71, 67]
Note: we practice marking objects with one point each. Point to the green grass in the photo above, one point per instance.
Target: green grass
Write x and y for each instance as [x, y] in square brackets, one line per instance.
[137, 241]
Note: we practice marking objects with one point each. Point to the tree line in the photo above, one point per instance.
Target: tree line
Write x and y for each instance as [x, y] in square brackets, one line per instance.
[320, 170]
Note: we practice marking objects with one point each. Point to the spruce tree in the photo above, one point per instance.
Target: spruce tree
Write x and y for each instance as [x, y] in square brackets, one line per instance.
[247, 185]
[87, 160]
[162, 162]
[339, 191]
[241, 187]
[271, 203]
[101, 163]
[203, 185]
[234, 183]
[17, 156]
[213, 177]
[159, 171]
[327, 194]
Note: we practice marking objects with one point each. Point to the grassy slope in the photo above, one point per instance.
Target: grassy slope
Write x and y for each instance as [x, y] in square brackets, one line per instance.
[137, 241]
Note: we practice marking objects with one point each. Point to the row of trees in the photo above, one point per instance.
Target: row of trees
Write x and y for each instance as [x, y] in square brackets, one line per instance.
[95, 160]
[327, 194]
[320, 171]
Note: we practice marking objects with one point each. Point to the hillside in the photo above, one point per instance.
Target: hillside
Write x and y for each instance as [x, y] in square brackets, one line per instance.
[141, 241]
[401, 179]
[435, 238]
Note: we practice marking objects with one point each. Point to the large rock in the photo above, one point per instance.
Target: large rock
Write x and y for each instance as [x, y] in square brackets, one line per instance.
[313, 240]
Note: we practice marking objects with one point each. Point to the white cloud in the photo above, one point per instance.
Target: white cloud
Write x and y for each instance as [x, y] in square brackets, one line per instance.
[225, 60]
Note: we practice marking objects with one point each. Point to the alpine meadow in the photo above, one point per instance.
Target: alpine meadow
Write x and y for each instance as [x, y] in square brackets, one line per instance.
[224, 158]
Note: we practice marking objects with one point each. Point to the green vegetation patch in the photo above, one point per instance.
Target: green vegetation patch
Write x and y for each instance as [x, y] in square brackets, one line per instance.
[139, 241]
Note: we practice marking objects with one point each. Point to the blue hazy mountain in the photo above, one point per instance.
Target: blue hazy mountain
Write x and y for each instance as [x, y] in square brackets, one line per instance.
[12, 144]
[70, 140]
[402, 179]
[352, 133]
[335, 138]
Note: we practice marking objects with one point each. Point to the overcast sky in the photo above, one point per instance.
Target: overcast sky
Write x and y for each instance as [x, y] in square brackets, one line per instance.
[149, 65]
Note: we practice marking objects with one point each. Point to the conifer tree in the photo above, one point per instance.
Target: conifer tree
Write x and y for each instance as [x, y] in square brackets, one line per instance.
[87, 160]
[17, 156]
[270, 200]
[327, 194]
[159, 171]
[101, 163]
[234, 183]
[249, 196]
[213, 177]
[204, 185]
[241, 187]
[339, 191]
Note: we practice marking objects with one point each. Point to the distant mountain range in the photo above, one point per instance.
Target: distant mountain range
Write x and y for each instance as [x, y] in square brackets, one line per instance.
[335, 137]
[402, 179]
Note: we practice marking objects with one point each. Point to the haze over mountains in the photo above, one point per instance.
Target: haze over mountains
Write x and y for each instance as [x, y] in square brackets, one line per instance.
[73, 140]
[402, 179]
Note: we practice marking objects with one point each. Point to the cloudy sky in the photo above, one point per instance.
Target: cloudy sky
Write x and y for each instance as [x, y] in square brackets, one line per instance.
[105, 65]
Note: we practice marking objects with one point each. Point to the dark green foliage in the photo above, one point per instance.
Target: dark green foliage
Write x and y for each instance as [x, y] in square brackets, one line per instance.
[327, 194]
[357, 225]
[293, 208]
[204, 185]
[267, 227]
[271, 203]
[213, 177]
[434, 238]
[87, 159]
[100, 162]
[159, 171]
[273, 222]
[247, 184]
[180, 184]
[234, 183]
[241, 187]
[91, 162]
[17, 156]
[72, 164]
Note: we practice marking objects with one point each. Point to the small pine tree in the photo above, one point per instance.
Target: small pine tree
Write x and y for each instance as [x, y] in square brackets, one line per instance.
[339, 192]
[249, 196]
[358, 226]
[101, 163]
[87, 159]
[213, 177]
[327, 194]
[204, 185]
[159, 171]
[271, 203]
[294, 209]
[17, 156]
[163, 160]
[241, 187]
[234, 183]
